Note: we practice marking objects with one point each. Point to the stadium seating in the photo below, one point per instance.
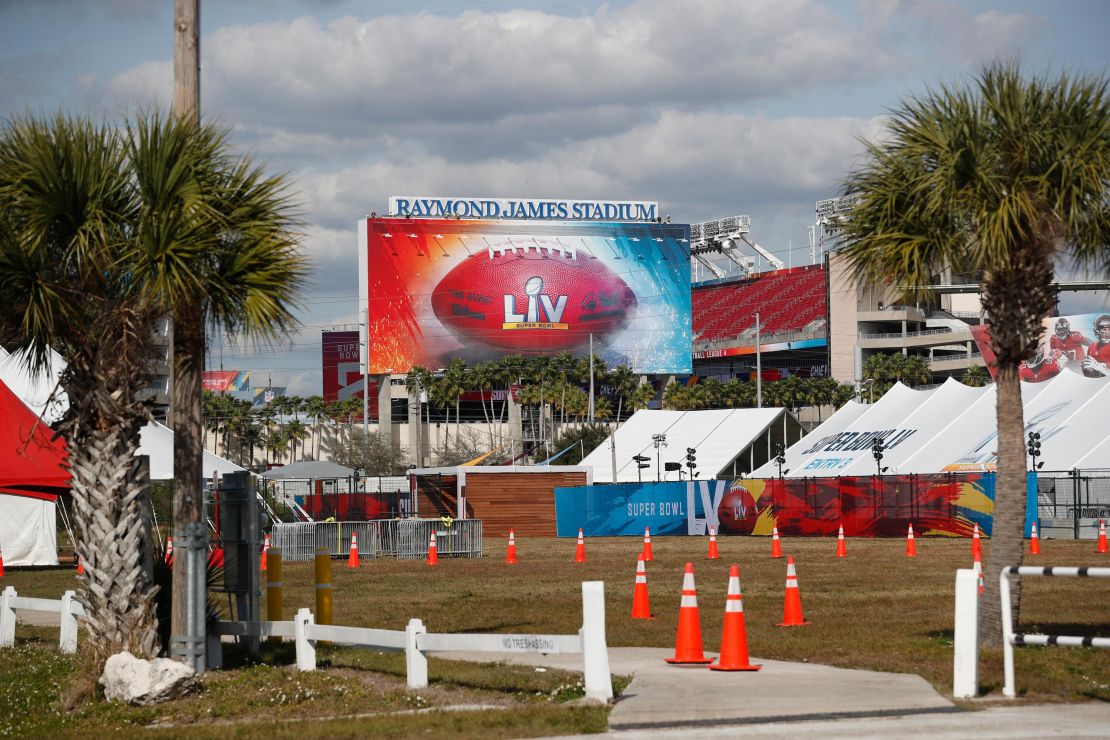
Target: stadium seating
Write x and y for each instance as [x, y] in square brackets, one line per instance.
[787, 301]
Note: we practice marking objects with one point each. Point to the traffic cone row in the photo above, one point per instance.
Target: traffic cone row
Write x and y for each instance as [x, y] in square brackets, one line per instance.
[1034, 541]
[580, 550]
[641, 608]
[841, 549]
[647, 545]
[792, 603]
[1102, 546]
[911, 545]
[734, 635]
[714, 553]
[352, 558]
[688, 648]
[510, 554]
[433, 557]
[265, 551]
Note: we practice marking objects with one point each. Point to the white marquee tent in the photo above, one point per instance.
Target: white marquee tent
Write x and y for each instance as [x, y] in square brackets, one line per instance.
[723, 438]
[953, 428]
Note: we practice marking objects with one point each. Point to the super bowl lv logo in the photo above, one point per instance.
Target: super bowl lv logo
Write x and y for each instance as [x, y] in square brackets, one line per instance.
[540, 311]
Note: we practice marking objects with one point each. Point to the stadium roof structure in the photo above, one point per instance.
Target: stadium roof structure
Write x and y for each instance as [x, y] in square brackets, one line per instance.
[719, 436]
[952, 428]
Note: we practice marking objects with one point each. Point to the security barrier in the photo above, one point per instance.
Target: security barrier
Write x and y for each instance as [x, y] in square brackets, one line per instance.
[402, 538]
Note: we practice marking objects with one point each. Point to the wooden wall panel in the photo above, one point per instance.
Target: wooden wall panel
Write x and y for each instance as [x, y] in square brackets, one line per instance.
[524, 502]
[436, 496]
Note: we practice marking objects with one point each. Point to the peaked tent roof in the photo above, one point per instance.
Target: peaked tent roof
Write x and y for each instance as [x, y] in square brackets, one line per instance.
[309, 469]
[30, 459]
[718, 435]
[156, 440]
[36, 390]
[954, 428]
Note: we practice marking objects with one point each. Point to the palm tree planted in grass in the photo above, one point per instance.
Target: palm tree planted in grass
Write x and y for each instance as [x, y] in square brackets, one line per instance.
[1002, 178]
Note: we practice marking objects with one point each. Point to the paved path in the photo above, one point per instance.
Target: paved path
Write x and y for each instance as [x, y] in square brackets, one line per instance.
[802, 700]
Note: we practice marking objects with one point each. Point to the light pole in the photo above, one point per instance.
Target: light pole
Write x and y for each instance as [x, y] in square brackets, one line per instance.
[659, 440]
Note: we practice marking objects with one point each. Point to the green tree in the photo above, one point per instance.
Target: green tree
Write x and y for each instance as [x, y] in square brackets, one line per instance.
[1001, 178]
[72, 217]
[975, 376]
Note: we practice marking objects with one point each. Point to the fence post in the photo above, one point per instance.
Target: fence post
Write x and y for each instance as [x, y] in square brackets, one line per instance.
[67, 635]
[965, 642]
[416, 663]
[595, 653]
[306, 651]
[7, 618]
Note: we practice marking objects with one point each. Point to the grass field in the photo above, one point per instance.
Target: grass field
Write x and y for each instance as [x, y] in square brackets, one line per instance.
[876, 609]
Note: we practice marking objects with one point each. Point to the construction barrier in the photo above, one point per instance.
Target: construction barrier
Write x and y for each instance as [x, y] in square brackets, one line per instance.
[401, 538]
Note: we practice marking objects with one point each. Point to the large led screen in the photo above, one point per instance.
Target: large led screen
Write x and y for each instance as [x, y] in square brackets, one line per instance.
[479, 290]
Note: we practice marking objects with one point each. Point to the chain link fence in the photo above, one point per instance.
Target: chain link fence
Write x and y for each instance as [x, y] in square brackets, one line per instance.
[1071, 503]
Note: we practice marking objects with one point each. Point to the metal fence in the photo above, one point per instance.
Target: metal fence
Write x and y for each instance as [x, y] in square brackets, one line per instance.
[402, 538]
[1071, 503]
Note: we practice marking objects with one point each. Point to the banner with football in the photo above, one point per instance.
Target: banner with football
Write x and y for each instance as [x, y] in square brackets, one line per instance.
[437, 289]
[1080, 342]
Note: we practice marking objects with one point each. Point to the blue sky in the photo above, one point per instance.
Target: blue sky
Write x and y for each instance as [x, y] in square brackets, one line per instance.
[711, 107]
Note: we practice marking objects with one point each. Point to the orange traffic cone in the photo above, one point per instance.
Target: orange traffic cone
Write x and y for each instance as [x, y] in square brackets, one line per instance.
[433, 557]
[641, 609]
[169, 550]
[510, 554]
[1034, 541]
[265, 550]
[1, 562]
[776, 546]
[976, 544]
[734, 635]
[687, 647]
[911, 545]
[1102, 536]
[841, 550]
[977, 566]
[80, 566]
[580, 550]
[647, 545]
[713, 552]
[352, 558]
[792, 605]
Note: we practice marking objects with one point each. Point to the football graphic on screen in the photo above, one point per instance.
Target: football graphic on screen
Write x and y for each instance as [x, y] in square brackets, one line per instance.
[529, 296]
[737, 512]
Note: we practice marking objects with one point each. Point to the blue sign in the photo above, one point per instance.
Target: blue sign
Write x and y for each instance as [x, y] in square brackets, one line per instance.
[627, 508]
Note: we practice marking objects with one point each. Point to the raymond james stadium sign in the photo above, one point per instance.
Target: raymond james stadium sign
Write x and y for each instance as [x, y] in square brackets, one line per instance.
[520, 208]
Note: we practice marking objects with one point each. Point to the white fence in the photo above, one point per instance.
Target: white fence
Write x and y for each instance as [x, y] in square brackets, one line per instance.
[67, 608]
[402, 538]
[416, 641]
[965, 662]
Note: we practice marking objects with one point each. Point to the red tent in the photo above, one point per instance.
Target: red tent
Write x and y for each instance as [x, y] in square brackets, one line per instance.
[30, 460]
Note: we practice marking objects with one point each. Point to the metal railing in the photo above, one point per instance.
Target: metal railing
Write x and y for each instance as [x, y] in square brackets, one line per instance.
[900, 335]
[402, 538]
[1070, 503]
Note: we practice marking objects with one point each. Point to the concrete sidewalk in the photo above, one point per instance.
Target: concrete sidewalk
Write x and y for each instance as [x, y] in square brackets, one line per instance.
[665, 696]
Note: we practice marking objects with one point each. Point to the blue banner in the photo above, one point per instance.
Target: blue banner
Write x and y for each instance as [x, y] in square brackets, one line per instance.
[626, 508]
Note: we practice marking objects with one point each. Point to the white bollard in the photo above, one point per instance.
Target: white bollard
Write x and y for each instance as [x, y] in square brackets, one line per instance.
[7, 618]
[965, 642]
[595, 653]
[416, 663]
[306, 650]
[67, 636]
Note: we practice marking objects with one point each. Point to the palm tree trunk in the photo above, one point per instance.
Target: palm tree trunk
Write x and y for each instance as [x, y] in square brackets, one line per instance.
[1007, 529]
[188, 469]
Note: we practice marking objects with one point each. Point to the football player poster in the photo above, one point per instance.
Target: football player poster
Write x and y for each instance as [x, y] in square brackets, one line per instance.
[1080, 343]
[437, 289]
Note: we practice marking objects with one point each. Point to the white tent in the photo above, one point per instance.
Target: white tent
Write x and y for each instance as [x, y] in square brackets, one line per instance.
[40, 392]
[28, 534]
[953, 428]
[720, 437]
[157, 441]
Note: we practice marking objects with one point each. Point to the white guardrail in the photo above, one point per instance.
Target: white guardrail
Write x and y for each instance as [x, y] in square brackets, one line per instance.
[965, 662]
[67, 608]
[416, 641]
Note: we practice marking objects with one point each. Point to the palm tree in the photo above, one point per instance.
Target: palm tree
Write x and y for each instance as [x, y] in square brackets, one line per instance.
[70, 215]
[999, 179]
[316, 410]
[218, 246]
[975, 376]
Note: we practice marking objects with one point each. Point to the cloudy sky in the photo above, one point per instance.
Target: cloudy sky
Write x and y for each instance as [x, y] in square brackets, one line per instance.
[710, 107]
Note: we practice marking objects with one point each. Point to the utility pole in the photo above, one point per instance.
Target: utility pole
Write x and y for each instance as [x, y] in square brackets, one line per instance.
[186, 60]
[591, 378]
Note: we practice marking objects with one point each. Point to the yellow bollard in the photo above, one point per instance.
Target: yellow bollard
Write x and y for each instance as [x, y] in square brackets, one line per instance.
[274, 612]
[323, 586]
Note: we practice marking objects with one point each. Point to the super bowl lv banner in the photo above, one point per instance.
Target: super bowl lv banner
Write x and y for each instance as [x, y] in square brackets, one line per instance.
[945, 504]
[437, 289]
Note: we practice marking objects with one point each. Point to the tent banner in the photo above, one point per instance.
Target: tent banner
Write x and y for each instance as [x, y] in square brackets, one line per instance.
[867, 506]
